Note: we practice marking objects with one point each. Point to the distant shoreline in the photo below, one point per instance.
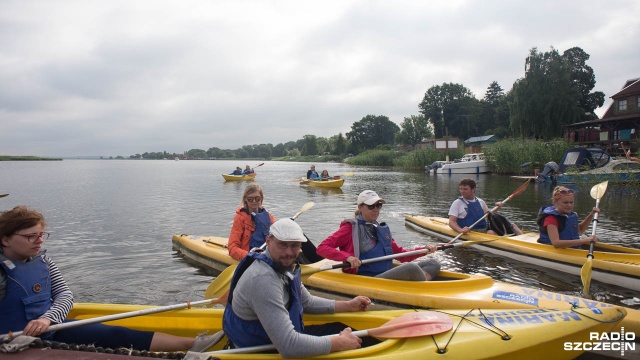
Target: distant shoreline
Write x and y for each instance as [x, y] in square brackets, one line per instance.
[27, 158]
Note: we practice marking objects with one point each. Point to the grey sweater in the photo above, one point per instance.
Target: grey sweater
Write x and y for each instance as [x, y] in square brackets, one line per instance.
[261, 294]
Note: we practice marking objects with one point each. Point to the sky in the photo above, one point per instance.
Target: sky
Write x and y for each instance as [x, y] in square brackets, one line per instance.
[109, 78]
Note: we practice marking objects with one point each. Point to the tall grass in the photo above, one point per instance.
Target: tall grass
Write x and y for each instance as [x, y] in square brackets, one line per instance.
[508, 156]
[375, 158]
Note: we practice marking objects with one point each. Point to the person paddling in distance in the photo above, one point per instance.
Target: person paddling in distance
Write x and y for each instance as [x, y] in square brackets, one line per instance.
[467, 209]
[362, 237]
[312, 174]
[247, 170]
[558, 223]
[237, 171]
[267, 299]
[34, 295]
[250, 224]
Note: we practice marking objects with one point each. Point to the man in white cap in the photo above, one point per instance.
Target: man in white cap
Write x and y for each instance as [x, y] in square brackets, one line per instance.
[364, 238]
[267, 299]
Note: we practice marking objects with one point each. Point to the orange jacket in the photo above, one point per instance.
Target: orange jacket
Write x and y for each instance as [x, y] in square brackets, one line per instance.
[241, 231]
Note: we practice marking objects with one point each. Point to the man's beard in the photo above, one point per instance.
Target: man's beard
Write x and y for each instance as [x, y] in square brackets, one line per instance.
[283, 269]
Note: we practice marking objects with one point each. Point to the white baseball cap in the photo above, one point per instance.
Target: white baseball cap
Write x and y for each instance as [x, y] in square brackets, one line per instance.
[369, 197]
[287, 230]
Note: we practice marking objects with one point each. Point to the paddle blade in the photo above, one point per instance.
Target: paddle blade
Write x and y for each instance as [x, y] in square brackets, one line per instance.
[414, 324]
[347, 174]
[304, 208]
[598, 190]
[3, 195]
[220, 285]
[585, 275]
[521, 189]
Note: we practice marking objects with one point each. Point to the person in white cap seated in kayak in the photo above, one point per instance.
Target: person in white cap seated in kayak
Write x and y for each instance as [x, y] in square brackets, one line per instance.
[362, 237]
[267, 299]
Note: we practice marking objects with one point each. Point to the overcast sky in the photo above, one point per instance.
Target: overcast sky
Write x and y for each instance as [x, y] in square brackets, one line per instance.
[124, 77]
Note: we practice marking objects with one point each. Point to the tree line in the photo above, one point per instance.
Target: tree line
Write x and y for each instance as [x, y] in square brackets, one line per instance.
[556, 90]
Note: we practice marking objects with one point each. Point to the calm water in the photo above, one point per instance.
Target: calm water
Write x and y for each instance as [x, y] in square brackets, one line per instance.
[112, 221]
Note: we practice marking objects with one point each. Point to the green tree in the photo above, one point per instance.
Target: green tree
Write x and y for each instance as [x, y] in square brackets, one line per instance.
[340, 145]
[264, 151]
[494, 116]
[310, 146]
[279, 150]
[197, 154]
[372, 131]
[545, 99]
[435, 102]
[584, 79]
[413, 129]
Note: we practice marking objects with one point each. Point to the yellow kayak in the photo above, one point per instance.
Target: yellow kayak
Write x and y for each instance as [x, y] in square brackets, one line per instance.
[331, 183]
[611, 264]
[476, 333]
[228, 177]
[450, 290]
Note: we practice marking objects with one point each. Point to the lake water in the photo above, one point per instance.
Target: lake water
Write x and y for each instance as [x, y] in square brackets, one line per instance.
[112, 220]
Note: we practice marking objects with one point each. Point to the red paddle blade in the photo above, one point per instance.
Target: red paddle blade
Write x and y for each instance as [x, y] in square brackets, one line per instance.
[414, 324]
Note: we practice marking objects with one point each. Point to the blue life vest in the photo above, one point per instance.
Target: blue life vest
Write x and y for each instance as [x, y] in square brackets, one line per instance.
[262, 223]
[313, 175]
[28, 293]
[382, 248]
[567, 232]
[474, 212]
[236, 172]
[245, 333]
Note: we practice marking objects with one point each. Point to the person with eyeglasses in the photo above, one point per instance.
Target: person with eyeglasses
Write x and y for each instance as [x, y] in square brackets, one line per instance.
[558, 224]
[363, 237]
[267, 299]
[467, 209]
[250, 224]
[34, 295]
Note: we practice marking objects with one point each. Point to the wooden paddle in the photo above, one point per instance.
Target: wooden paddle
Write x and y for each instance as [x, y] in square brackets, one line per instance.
[67, 325]
[597, 192]
[257, 166]
[518, 191]
[221, 283]
[413, 324]
[3, 195]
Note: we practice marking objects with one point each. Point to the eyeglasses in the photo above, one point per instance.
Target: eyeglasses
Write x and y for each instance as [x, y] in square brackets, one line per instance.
[254, 199]
[33, 237]
[376, 205]
[283, 246]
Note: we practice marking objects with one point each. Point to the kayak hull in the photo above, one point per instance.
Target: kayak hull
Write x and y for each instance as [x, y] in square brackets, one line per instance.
[611, 264]
[450, 290]
[228, 177]
[332, 183]
[476, 334]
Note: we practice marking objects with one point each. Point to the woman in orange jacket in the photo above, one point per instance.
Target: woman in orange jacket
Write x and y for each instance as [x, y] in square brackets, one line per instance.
[251, 223]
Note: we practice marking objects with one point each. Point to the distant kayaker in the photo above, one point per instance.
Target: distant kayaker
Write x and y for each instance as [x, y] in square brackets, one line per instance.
[33, 294]
[467, 209]
[362, 237]
[312, 174]
[325, 175]
[237, 171]
[250, 224]
[247, 170]
[558, 224]
[267, 299]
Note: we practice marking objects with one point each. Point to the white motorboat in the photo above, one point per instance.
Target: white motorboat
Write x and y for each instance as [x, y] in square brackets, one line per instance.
[469, 164]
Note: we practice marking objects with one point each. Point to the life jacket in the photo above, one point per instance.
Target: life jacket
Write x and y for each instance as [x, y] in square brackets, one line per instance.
[500, 224]
[28, 293]
[567, 225]
[262, 223]
[312, 174]
[245, 333]
[474, 212]
[382, 248]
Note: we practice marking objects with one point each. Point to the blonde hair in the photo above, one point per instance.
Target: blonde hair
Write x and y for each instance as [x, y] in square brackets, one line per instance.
[248, 190]
[560, 192]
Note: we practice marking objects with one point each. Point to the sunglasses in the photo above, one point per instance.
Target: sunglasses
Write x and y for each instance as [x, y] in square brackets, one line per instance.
[564, 192]
[254, 199]
[374, 206]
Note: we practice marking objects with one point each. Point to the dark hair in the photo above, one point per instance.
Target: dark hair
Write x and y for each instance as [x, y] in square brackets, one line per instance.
[469, 182]
[18, 218]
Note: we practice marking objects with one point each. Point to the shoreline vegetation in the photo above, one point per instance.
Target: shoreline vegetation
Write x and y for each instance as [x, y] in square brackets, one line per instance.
[506, 157]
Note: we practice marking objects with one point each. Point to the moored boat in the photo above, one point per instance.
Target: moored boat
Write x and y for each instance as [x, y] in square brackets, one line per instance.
[449, 290]
[476, 333]
[469, 164]
[611, 263]
[229, 177]
[331, 183]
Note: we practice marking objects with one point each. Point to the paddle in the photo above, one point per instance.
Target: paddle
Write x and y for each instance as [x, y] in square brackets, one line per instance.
[221, 283]
[310, 270]
[518, 191]
[413, 324]
[597, 192]
[3, 195]
[257, 166]
[67, 325]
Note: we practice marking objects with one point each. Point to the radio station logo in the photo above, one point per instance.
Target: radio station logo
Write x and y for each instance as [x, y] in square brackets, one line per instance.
[613, 341]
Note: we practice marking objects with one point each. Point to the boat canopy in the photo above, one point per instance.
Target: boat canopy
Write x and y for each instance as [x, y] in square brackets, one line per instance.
[583, 159]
